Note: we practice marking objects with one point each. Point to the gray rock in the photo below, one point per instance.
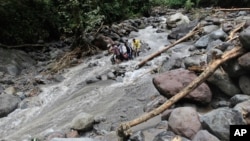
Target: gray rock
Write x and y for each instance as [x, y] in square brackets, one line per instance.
[169, 136]
[203, 42]
[73, 139]
[181, 30]
[178, 19]
[171, 82]
[244, 84]
[14, 61]
[138, 136]
[184, 121]
[244, 61]
[166, 114]
[162, 125]
[195, 60]
[1, 89]
[214, 44]
[82, 121]
[151, 133]
[204, 135]
[245, 38]
[52, 135]
[10, 90]
[238, 99]
[104, 77]
[8, 103]
[221, 80]
[242, 13]
[111, 75]
[218, 121]
[244, 109]
[92, 80]
[233, 68]
[210, 28]
[218, 34]
[156, 102]
[221, 103]
[59, 78]
[102, 41]
[227, 27]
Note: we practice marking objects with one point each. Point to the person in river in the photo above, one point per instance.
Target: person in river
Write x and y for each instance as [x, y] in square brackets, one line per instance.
[119, 52]
[136, 45]
[129, 49]
[115, 58]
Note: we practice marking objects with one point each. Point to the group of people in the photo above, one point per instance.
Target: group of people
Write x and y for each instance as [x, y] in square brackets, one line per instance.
[123, 52]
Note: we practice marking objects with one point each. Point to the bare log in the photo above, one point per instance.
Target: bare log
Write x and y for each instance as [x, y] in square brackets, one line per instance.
[232, 33]
[21, 46]
[190, 34]
[124, 129]
[232, 9]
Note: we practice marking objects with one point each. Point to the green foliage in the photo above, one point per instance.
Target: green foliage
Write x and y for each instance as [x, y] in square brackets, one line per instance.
[25, 21]
[160, 2]
[188, 5]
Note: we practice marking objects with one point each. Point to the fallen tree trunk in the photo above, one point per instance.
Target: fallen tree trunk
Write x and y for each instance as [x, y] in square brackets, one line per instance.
[190, 34]
[124, 129]
[21, 46]
[232, 9]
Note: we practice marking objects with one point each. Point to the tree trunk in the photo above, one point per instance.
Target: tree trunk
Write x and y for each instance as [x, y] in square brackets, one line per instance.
[190, 34]
[124, 129]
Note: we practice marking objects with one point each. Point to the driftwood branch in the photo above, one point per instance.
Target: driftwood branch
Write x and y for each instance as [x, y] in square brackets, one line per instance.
[232, 33]
[20, 46]
[124, 129]
[232, 9]
[230, 38]
[190, 34]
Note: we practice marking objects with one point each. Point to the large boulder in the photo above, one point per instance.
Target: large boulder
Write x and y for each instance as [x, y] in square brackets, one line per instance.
[83, 121]
[221, 80]
[181, 30]
[218, 122]
[178, 19]
[238, 99]
[102, 41]
[244, 84]
[185, 121]
[234, 69]
[168, 135]
[171, 82]
[8, 103]
[245, 38]
[244, 61]
[204, 135]
[14, 61]
[244, 109]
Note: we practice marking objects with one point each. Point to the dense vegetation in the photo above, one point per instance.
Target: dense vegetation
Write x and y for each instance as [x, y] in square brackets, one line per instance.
[27, 21]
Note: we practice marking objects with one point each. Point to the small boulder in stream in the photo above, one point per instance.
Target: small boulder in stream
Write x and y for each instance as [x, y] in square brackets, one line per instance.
[8, 103]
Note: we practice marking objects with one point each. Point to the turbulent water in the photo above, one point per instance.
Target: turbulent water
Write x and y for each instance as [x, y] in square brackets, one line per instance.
[59, 103]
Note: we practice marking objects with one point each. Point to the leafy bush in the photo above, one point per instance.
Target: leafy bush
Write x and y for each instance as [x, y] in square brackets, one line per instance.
[25, 21]
[189, 5]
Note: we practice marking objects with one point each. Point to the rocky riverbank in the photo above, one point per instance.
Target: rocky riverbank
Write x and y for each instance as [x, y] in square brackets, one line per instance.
[205, 114]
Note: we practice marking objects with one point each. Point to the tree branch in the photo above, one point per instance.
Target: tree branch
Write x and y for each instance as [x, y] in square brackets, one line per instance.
[190, 34]
[21, 46]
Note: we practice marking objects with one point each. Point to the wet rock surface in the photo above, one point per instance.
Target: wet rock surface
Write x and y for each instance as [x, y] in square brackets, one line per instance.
[40, 105]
